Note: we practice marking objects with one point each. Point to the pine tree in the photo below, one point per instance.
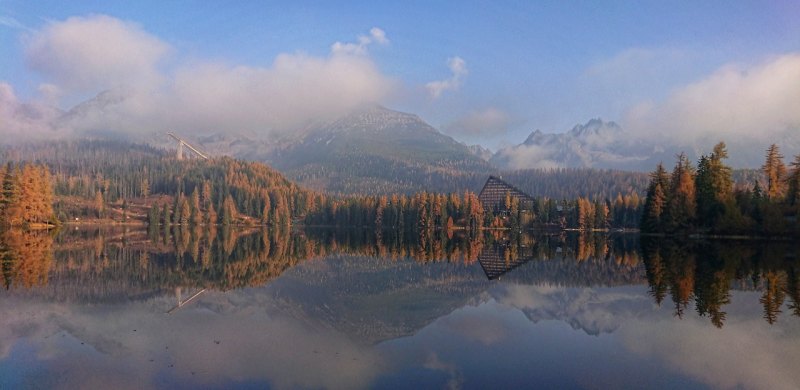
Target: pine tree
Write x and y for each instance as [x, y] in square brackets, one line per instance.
[211, 215]
[656, 201]
[774, 170]
[11, 212]
[153, 218]
[165, 217]
[176, 209]
[99, 205]
[185, 211]
[682, 206]
[195, 212]
[228, 211]
[265, 212]
[793, 183]
[714, 187]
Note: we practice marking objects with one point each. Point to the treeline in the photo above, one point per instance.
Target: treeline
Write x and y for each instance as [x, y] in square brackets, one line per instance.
[426, 212]
[420, 212]
[91, 176]
[704, 199]
[26, 196]
[373, 176]
[226, 191]
[571, 183]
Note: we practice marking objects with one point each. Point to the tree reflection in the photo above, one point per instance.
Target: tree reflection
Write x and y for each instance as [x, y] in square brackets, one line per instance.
[704, 273]
[116, 264]
[26, 257]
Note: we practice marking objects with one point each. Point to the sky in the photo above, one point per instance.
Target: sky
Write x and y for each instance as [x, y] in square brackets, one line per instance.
[483, 72]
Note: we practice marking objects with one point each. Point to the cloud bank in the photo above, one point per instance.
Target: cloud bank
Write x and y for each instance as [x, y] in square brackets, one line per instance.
[748, 107]
[754, 102]
[95, 52]
[142, 88]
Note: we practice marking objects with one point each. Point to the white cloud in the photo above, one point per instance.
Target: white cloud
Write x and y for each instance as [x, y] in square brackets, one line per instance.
[747, 354]
[359, 47]
[458, 68]
[223, 339]
[755, 102]
[487, 122]
[99, 53]
[24, 120]
[94, 53]
[297, 88]
[531, 157]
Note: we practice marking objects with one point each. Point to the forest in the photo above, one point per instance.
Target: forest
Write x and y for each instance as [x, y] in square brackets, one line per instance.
[428, 212]
[105, 181]
[704, 199]
[26, 196]
[116, 181]
[120, 182]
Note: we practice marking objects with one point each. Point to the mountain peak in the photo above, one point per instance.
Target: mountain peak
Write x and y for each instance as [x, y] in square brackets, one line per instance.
[594, 126]
[376, 118]
[534, 137]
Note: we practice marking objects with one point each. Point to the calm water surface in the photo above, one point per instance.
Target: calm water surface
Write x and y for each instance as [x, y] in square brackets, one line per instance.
[108, 308]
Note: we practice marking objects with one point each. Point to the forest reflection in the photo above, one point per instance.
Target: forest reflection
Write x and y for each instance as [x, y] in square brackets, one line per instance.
[117, 264]
[703, 273]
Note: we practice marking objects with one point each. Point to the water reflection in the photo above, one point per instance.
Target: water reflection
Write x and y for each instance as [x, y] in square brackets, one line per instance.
[349, 309]
[117, 264]
[705, 272]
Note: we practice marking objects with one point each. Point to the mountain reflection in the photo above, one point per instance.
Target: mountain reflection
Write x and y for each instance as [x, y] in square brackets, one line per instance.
[116, 264]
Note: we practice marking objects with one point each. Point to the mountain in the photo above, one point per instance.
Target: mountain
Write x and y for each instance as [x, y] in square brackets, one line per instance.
[605, 145]
[376, 150]
[484, 153]
[596, 144]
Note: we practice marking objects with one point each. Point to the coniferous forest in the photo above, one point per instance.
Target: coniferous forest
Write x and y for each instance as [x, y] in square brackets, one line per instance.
[115, 181]
[26, 196]
[704, 199]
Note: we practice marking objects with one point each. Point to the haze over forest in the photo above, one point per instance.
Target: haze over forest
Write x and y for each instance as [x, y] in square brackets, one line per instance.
[282, 75]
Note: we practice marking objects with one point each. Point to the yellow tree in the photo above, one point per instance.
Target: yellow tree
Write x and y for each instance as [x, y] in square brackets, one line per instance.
[774, 170]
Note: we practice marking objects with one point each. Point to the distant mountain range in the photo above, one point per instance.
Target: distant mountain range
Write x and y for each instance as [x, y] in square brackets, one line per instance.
[605, 145]
[596, 144]
[378, 150]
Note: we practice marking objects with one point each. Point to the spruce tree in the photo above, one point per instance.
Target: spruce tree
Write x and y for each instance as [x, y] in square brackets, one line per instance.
[682, 205]
[656, 200]
[793, 183]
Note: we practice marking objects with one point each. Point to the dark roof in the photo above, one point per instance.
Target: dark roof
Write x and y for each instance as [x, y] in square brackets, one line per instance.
[509, 187]
[494, 264]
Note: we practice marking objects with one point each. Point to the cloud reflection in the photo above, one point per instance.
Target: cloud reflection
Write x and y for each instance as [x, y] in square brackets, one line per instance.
[224, 340]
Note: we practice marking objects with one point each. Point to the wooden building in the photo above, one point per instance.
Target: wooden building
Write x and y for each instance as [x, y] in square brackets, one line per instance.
[494, 193]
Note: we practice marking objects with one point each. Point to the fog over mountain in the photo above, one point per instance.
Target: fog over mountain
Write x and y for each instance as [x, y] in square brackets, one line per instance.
[601, 144]
[100, 75]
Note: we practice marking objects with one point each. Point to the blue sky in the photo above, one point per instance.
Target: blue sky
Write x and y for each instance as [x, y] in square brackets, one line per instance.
[525, 65]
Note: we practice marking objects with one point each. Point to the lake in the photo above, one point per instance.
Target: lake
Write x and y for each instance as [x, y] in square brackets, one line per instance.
[122, 308]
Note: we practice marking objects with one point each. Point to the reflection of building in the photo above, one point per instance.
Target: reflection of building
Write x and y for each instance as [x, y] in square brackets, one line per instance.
[495, 261]
[494, 193]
